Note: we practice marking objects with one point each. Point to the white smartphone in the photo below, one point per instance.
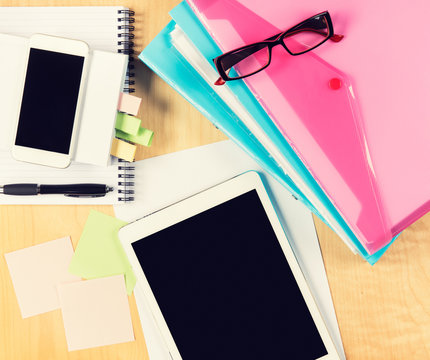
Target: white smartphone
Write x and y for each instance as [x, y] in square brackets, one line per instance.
[52, 94]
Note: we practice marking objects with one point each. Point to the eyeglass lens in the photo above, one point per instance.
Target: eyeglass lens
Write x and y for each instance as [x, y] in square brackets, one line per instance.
[307, 35]
[246, 61]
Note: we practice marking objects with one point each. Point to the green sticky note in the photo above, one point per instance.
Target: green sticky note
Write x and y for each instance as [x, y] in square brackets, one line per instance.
[99, 252]
[143, 137]
[127, 123]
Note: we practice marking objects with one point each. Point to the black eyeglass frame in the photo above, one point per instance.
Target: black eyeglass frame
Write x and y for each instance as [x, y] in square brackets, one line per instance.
[277, 40]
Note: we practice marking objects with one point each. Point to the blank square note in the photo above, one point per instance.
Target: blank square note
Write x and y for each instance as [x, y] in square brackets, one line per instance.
[123, 150]
[99, 252]
[129, 104]
[36, 271]
[95, 312]
[127, 123]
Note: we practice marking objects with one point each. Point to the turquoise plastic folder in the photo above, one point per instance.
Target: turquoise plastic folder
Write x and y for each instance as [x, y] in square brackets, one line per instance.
[168, 63]
[173, 68]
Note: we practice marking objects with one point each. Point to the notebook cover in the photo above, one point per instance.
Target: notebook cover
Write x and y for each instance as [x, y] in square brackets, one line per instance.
[182, 77]
[331, 141]
[189, 23]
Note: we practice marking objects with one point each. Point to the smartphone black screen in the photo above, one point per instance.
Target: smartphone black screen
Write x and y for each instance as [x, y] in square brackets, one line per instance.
[49, 101]
[225, 287]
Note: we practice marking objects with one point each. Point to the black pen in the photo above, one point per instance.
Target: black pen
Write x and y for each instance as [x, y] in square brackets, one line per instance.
[73, 190]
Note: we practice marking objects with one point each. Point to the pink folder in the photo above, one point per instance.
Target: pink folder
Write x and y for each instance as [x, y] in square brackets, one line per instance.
[372, 160]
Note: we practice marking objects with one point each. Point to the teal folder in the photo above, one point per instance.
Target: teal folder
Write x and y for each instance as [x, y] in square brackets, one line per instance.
[168, 63]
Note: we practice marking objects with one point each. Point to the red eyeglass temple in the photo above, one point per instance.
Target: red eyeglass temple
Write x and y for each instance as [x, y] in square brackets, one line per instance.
[220, 81]
[334, 38]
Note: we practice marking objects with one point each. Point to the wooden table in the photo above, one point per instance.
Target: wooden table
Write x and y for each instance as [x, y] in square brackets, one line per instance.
[383, 311]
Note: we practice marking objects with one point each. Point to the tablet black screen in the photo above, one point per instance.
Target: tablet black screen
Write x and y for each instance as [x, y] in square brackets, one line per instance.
[225, 288]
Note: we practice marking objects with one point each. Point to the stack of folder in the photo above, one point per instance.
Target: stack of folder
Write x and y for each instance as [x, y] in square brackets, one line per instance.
[182, 55]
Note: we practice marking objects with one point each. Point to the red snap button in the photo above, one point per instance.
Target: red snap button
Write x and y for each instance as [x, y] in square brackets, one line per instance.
[335, 84]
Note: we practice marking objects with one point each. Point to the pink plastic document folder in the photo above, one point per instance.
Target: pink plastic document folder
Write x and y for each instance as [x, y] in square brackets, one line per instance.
[371, 158]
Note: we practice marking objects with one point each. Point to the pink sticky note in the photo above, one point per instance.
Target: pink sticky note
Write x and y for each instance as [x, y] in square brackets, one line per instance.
[36, 271]
[129, 103]
[96, 312]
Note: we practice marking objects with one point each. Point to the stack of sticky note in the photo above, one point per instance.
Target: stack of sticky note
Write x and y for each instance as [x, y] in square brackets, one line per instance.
[48, 277]
[128, 130]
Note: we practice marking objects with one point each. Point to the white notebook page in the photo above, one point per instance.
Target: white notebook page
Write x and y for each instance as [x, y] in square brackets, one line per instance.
[98, 26]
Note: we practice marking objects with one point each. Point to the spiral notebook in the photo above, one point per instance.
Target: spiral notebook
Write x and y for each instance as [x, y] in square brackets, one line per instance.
[103, 28]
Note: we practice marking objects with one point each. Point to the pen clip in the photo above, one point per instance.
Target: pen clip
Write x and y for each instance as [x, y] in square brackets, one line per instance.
[84, 196]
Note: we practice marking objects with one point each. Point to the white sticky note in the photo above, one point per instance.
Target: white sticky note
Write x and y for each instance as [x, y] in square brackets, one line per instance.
[97, 126]
[36, 271]
[96, 312]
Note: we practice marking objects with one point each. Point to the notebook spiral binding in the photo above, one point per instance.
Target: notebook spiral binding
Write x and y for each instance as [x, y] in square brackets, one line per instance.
[126, 44]
[125, 181]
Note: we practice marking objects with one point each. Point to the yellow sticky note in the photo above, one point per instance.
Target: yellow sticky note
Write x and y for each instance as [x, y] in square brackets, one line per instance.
[123, 150]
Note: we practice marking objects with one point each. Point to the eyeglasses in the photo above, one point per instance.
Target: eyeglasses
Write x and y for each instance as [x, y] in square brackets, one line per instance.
[251, 59]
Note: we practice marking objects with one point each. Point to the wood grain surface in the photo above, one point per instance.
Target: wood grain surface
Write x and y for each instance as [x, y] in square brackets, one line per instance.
[383, 311]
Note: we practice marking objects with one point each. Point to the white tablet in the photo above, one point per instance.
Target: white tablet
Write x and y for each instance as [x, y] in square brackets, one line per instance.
[222, 281]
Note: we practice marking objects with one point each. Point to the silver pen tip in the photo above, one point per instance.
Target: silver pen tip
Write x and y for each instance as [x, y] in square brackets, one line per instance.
[109, 189]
